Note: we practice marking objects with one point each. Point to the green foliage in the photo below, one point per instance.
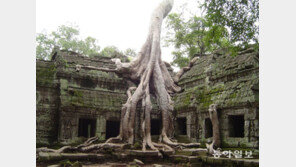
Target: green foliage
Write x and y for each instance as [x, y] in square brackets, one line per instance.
[68, 163]
[227, 27]
[240, 16]
[192, 37]
[111, 51]
[65, 37]
[114, 52]
[130, 53]
[45, 76]
[137, 146]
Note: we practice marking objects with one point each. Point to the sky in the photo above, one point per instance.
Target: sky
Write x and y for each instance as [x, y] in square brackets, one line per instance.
[121, 23]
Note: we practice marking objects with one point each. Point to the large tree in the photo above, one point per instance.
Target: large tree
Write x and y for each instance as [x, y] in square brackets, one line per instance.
[65, 37]
[194, 36]
[240, 16]
[152, 78]
[226, 26]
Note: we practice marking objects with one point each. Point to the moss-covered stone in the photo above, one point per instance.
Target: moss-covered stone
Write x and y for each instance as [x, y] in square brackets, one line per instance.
[65, 95]
[45, 75]
[229, 82]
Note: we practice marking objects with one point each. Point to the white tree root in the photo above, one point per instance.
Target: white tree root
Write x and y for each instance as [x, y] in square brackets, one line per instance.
[216, 133]
[153, 79]
[63, 149]
[184, 69]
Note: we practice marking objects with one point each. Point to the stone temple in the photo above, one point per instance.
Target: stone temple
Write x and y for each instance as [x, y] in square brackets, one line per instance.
[73, 104]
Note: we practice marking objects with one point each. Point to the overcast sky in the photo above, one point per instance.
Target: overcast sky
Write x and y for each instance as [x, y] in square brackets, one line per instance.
[122, 23]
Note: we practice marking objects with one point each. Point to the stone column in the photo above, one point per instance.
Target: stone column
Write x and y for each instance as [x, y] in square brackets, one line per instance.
[101, 128]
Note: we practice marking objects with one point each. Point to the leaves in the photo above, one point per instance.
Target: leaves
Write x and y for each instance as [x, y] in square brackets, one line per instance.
[192, 37]
[228, 26]
[240, 16]
[65, 37]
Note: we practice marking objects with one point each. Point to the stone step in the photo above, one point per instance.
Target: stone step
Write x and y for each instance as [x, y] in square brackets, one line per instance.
[50, 156]
[230, 161]
[192, 151]
[179, 158]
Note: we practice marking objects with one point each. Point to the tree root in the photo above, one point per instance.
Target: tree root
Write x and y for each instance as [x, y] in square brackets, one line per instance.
[101, 146]
[63, 149]
[150, 73]
[45, 149]
[216, 133]
[79, 67]
[184, 69]
[162, 149]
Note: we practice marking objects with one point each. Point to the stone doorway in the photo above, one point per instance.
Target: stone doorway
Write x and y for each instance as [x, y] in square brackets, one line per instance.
[181, 126]
[208, 128]
[236, 124]
[86, 127]
[112, 128]
[155, 126]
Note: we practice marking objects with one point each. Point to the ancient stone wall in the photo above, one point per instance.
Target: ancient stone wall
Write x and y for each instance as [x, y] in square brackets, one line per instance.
[231, 83]
[47, 102]
[87, 95]
[87, 102]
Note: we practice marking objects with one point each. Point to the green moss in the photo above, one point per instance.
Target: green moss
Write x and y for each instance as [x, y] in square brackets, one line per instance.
[224, 144]
[233, 95]
[109, 151]
[202, 144]
[45, 76]
[137, 146]
[186, 100]
[179, 160]
[68, 163]
[76, 98]
[180, 152]
[78, 93]
[56, 145]
[38, 145]
[183, 139]
[204, 97]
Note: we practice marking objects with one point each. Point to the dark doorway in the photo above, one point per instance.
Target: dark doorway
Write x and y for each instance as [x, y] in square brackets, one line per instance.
[87, 127]
[112, 128]
[236, 125]
[208, 128]
[155, 126]
[181, 126]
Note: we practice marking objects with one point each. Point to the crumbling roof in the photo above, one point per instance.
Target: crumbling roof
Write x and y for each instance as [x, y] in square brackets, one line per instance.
[225, 80]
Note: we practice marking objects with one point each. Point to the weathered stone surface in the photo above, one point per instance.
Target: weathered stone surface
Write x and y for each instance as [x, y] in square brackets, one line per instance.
[232, 84]
[196, 151]
[47, 103]
[179, 158]
[144, 153]
[65, 95]
[229, 161]
[43, 156]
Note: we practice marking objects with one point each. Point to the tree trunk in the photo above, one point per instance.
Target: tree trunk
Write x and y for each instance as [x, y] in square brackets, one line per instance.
[216, 133]
[153, 78]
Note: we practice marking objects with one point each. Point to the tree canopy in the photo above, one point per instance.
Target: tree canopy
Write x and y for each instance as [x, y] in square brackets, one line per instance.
[240, 16]
[196, 36]
[227, 26]
[67, 38]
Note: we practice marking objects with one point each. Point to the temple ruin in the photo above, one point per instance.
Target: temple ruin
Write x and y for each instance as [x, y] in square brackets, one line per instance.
[86, 103]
